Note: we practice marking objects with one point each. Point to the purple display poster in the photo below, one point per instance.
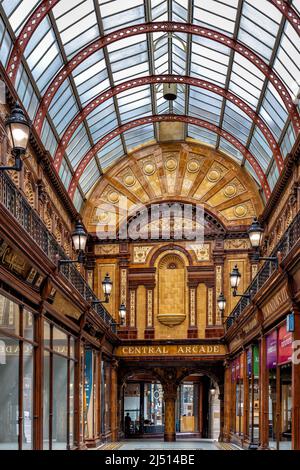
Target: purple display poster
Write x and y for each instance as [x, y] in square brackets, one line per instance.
[249, 362]
[272, 350]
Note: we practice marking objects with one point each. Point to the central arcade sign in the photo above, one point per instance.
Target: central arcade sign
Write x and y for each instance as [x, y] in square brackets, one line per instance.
[172, 350]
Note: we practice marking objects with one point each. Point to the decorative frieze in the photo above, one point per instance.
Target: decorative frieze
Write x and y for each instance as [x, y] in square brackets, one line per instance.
[210, 307]
[202, 251]
[150, 308]
[193, 307]
[132, 320]
[237, 244]
[123, 286]
[103, 250]
[219, 290]
[140, 254]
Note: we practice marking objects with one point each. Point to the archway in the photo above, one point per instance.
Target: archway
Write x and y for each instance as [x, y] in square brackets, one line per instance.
[172, 403]
[198, 407]
[142, 406]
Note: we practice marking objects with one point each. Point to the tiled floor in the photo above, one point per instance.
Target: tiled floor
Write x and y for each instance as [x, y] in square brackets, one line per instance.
[146, 444]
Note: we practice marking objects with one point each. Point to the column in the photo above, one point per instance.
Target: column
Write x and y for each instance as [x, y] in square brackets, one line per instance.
[170, 396]
[246, 396]
[125, 331]
[193, 330]
[114, 400]
[222, 413]
[38, 383]
[219, 260]
[132, 308]
[227, 402]
[201, 408]
[263, 395]
[296, 386]
[149, 332]
[210, 306]
[142, 407]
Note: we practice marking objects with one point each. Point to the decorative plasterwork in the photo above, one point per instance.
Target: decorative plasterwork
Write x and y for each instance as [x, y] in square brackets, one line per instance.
[202, 251]
[192, 307]
[112, 249]
[237, 244]
[140, 254]
[182, 186]
[219, 289]
[210, 307]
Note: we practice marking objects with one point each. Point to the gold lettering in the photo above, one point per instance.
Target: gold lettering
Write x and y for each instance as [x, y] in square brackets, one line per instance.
[163, 350]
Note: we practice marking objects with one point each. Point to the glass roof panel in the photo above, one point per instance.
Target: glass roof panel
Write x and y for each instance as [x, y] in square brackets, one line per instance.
[216, 15]
[111, 153]
[65, 173]
[77, 24]
[180, 10]
[138, 136]
[18, 12]
[259, 27]
[288, 141]
[231, 150]
[205, 105]
[70, 26]
[117, 15]
[209, 60]
[5, 43]
[203, 135]
[237, 122]
[288, 60]
[90, 176]
[261, 149]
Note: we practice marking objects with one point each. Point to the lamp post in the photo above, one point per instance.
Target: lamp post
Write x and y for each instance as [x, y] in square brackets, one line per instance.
[235, 279]
[222, 304]
[122, 314]
[18, 131]
[107, 288]
[79, 239]
[255, 233]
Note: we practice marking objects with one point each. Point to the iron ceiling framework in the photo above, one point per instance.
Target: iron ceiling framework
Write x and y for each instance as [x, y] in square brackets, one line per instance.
[94, 69]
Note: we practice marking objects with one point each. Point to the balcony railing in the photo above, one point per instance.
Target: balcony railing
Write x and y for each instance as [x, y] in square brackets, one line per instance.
[17, 205]
[287, 242]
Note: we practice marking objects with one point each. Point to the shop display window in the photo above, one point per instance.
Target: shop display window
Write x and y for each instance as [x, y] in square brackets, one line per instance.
[16, 375]
[58, 389]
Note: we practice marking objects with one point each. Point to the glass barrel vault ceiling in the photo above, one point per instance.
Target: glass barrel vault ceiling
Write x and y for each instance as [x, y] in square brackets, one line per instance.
[70, 26]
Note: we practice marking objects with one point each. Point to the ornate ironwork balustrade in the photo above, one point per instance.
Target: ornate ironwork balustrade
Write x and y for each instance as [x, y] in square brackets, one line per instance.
[286, 244]
[18, 206]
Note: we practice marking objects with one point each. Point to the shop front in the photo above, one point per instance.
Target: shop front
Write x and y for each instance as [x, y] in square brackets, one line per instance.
[279, 362]
[251, 414]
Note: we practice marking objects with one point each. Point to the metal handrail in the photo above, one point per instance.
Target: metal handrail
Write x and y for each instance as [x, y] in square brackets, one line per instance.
[18, 206]
[285, 245]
